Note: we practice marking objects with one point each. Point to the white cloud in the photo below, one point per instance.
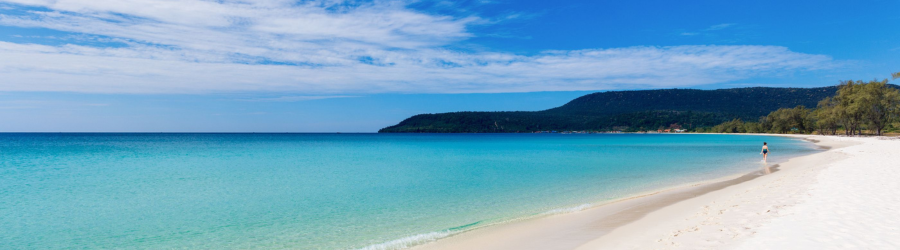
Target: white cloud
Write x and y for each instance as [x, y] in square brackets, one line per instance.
[328, 47]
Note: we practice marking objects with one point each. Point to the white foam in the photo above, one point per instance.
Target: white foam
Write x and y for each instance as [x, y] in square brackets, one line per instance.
[568, 209]
[410, 241]
[414, 240]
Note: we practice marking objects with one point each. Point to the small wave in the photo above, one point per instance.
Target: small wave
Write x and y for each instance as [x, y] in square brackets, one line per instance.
[419, 239]
[566, 210]
[410, 241]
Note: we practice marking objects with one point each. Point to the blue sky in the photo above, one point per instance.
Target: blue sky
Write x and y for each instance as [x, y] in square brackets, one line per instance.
[357, 66]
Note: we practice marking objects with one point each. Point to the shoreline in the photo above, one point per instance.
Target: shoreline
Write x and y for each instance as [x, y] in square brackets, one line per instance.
[723, 219]
[592, 227]
[425, 240]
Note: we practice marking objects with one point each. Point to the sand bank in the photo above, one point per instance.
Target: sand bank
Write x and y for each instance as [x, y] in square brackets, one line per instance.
[722, 213]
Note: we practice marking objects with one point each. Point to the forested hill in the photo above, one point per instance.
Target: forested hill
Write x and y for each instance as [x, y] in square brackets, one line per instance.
[624, 110]
[743, 102]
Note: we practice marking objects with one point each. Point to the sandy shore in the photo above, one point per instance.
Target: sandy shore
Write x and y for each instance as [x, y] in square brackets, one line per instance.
[843, 197]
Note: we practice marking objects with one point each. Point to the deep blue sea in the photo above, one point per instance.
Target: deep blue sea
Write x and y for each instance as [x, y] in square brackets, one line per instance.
[331, 191]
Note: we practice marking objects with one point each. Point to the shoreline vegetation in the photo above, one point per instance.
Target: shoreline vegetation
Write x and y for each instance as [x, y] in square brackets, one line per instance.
[857, 108]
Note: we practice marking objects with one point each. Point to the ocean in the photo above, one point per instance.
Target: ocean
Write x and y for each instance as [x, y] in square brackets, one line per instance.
[332, 191]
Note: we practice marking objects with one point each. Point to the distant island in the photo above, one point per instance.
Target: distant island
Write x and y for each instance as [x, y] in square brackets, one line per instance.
[664, 110]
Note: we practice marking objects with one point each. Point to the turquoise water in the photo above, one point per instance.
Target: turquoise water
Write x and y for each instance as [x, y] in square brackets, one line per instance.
[330, 191]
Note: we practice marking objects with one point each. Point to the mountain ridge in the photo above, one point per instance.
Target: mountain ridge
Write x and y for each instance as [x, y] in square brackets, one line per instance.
[630, 110]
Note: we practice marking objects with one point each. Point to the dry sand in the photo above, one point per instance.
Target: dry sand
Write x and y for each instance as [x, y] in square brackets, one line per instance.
[855, 204]
[840, 198]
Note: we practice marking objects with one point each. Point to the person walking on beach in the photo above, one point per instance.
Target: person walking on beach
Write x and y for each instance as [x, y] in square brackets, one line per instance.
[765, 151]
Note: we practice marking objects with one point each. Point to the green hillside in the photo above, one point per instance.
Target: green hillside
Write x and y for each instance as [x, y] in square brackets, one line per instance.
[625, 111]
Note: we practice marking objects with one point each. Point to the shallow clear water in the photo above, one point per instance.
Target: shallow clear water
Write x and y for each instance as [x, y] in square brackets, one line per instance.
[330, 191]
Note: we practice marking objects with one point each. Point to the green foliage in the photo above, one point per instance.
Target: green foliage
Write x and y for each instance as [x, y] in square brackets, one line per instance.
[826, 117]
[896, 75]
[795, 120]
[856, 106]
[894, 127]
[783, 121]
[881, 105]
[733, 126]
[849, 111]
[859, 105]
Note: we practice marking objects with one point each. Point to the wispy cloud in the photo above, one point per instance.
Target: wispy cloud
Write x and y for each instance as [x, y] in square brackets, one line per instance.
[34, 104]
[17, 107]
[297, 98]
[709, 30]
[325, 48]
[719, 26]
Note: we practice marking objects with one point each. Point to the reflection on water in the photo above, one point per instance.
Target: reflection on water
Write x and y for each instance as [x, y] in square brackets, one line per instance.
[766, 169]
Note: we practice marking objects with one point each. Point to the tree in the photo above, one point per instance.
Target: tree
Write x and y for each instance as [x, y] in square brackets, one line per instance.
[786, 120]
[764, 125]
[856, 106]
[850, 111]
[826, 116]
[878, 104]
[803, 119]
[872, 100]
[753, 127]
[733, 126]
[779, 120]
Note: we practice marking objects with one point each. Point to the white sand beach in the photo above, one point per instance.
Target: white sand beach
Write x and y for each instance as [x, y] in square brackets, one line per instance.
[845, 197]
[853, 205]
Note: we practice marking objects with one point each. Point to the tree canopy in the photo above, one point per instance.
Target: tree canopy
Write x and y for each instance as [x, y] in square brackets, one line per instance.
[856, 106]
